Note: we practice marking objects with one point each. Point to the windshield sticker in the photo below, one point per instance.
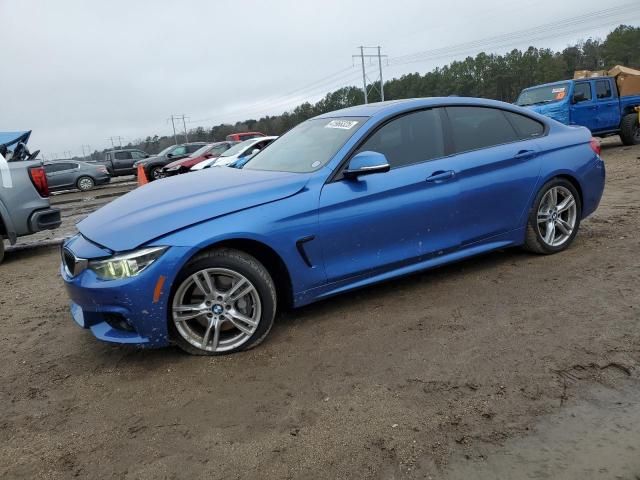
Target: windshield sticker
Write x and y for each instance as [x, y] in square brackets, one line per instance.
[315, 164]
[558, 90]
[341, 124]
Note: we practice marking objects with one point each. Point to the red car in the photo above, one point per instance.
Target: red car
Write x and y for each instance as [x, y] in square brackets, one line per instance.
[241, 137]
[183, 165]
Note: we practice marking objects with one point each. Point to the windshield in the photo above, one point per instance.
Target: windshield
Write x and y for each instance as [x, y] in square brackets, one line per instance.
[165, 151]
[200, 151]
[238, 148]
[307, 147]
[546, 94]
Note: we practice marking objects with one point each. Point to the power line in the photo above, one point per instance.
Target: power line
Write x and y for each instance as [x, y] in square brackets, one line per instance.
[555, 29]
[118, 138]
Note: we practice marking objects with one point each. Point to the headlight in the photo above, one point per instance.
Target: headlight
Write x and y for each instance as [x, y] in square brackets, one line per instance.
[126, 265]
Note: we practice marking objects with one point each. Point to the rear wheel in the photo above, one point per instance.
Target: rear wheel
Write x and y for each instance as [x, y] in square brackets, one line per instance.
[1, 249]
[630, 129]
[224, 302]
[85, 183]
[555, 217]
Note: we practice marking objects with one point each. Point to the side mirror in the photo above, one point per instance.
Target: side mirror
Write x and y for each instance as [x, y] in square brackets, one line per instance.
[169, 155]
[366, 163]
[146, 155]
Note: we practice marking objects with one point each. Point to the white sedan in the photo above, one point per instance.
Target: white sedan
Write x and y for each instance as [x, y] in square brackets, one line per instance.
[243, 150]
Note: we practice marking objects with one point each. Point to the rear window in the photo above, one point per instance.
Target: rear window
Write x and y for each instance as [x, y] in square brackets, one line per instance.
[474, 128]
[526, 127]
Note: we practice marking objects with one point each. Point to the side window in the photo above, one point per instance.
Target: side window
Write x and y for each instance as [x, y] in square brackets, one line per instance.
[603, 89]
[49, 168]
[219, 149]
[123, 155]
[137, 155]
[583, 91]
[181, 150]
[473, 128]
[193, 148]
[60, 167]
[107, 157]
[525, 127]
[412, 138]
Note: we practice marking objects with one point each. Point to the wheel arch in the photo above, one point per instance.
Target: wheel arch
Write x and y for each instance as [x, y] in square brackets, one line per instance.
[573, 181]
[266, 255]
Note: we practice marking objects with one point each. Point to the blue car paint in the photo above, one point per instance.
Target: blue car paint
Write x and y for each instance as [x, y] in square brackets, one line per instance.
[364, 231]
[599, 115]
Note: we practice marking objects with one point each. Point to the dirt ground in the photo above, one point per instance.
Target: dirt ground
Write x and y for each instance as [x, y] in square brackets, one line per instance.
[462, 369]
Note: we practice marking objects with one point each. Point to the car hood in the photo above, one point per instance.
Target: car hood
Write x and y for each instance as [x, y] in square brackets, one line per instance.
[171, 204]
[557, 111]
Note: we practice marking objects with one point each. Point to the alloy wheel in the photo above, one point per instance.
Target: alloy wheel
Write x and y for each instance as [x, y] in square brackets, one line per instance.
[216, 309]
[85, 184]
[557, 215]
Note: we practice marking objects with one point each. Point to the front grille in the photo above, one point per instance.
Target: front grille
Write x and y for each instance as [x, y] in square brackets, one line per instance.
[72, 264]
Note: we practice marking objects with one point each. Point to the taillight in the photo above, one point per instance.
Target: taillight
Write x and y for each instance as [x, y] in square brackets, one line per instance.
[39, 180]
[595, 145]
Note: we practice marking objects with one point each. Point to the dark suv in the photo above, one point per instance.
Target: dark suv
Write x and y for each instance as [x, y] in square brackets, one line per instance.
[120, 162]
[153, 165]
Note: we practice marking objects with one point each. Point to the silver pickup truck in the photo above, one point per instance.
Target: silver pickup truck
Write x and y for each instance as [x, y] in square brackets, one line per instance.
[24, 192]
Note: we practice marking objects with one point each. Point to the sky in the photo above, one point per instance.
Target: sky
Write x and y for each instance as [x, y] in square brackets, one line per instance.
[78, 72]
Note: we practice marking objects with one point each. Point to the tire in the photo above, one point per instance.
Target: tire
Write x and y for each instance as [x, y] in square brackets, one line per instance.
[85, 184]
[155, 174]
[630, 129]
[1, 249]
[195, 333]
[541, 214]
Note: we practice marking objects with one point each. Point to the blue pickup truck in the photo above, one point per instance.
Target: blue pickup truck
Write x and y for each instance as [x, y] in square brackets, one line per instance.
[590, 102]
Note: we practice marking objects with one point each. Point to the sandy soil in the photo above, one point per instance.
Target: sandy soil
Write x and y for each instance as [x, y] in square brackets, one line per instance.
[425, 377]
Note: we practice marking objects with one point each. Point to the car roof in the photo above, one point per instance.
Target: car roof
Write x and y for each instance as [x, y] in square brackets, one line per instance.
[381, 109]
[559, 82]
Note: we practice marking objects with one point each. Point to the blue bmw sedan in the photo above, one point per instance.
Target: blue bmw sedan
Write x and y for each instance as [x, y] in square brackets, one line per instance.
[341, 201]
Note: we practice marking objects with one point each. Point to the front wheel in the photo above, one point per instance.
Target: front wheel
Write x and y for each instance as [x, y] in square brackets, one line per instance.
[630, 129]
[156, 173]
[555, 217]
[224, 301]
[1, 249]
[85, 183]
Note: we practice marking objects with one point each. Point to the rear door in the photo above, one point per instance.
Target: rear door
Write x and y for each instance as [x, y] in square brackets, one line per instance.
[497, 167]
[384, 221]
[584, 109]
[608, 105]
[136, 155]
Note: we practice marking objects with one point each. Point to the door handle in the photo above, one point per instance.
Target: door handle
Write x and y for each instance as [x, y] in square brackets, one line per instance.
[525, 154]
[441, 176]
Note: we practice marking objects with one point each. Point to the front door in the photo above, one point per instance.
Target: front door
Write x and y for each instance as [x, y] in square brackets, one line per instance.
[584, 110]
[387, 220]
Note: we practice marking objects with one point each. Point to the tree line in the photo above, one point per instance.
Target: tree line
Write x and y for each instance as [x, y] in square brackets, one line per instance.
[487, 75]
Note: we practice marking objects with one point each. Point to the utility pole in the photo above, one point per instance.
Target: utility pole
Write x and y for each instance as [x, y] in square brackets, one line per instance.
[380, 82]
[173, 119]
[184, 124]
[88, 150]
[175, 137]
[118, 138]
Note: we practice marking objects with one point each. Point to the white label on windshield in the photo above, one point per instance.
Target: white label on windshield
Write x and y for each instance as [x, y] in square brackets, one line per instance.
[341, 124]
[558, 90]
